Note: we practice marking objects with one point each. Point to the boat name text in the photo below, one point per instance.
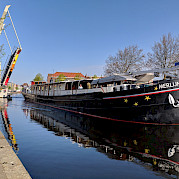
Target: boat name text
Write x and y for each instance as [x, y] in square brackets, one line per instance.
[169, 85]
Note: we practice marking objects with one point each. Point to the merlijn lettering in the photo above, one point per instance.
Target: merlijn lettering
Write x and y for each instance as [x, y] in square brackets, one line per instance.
[169, 85]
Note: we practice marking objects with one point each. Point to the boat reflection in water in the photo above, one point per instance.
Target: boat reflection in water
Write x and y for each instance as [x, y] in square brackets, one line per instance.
[7, 127]
[154, 147]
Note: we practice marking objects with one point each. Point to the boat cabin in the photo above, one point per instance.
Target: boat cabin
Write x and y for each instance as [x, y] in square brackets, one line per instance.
[114, 83]
[103, 85]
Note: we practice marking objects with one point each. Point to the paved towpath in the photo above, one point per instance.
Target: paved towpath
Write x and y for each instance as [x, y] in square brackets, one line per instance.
[10, 165]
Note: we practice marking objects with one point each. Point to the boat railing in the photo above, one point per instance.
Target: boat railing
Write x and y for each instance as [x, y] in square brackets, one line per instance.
[59, 92]
[52, 91]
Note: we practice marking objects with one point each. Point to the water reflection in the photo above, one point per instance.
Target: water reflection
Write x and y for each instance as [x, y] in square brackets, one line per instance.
[7, 127]
[154, 147]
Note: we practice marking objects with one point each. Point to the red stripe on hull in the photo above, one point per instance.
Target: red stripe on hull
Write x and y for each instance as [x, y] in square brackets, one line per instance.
[106, 118]
[143, 94]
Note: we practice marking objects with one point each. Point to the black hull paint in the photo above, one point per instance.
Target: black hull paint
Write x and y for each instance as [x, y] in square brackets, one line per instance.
[146, 105]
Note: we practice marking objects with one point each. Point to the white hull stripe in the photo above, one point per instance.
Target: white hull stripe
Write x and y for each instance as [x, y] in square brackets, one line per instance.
[142, 94]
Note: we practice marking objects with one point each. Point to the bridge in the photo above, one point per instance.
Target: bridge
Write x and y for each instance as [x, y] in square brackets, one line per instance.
[14, 55]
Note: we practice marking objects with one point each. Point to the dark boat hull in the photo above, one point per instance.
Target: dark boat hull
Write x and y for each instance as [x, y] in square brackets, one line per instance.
[145, 105]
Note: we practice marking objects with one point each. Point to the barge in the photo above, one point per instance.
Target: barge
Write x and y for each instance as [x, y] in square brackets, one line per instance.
[136, 97]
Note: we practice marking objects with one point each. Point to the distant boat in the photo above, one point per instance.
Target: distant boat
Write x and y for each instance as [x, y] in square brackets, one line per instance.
[133, 98]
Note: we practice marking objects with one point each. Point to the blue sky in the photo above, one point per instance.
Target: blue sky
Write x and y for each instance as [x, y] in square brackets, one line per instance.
[79, 35]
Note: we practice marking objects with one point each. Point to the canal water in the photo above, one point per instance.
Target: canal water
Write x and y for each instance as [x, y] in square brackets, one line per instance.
[56, 144]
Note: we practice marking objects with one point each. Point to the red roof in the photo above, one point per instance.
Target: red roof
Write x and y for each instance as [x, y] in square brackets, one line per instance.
[25, 84]
[66, 74]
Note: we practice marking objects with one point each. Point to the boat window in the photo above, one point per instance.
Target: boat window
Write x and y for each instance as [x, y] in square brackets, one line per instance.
[75, 85]
[59, 86]
[83, 84]
[55, 87]
[94, 86]
[133, 86]
[49, 87]
[86, 84]
[128, 87]
[103, 85]
[114, 89]
[68, 86]
[141, 86]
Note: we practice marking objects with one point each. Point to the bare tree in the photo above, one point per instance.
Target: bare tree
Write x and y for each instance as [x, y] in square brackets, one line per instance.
[127, 60]
[164, 53]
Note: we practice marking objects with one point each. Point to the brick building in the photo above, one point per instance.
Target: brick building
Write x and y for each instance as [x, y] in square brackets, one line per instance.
[67, 75]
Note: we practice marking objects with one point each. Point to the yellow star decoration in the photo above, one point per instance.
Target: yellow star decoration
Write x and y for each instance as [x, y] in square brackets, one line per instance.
[155, 88]
[147, 98]
[135, 142]
[126, 100]
[136, 104]
[147, 151]
[154, 161]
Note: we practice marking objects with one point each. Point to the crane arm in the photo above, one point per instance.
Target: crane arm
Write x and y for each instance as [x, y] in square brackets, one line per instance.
[3, 18]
